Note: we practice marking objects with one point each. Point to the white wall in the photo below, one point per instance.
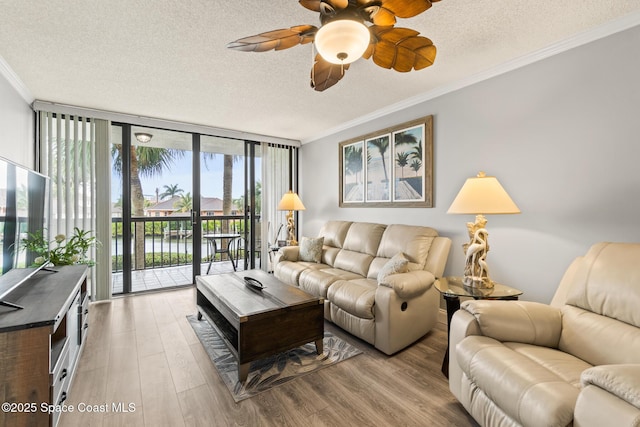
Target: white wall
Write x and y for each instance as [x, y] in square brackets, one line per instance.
[16, 126]
[563, 137]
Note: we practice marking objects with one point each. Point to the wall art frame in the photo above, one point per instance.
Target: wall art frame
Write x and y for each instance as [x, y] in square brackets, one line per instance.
[392, 167]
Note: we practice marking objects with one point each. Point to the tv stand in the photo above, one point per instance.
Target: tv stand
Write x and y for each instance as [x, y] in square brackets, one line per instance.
[40, 345]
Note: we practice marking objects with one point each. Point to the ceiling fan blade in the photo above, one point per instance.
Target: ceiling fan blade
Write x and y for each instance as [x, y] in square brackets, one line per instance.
[384, 18]
[406, 8]
[325, 74]
[338, 4]
[401, 49]
[313, 5]
[275, 40]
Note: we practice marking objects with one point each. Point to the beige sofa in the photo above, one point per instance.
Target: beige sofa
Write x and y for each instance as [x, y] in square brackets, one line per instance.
[390, 315]
[574, 362]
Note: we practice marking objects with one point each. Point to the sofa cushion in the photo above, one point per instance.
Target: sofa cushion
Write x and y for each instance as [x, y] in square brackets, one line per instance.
[564, 365]
[609, 282]
[317, 281]
[311, 249]
[413, 241]
[365, 237]
[598, 339]
[353, 261]
[525, 390]
[398, 264]
[290, 271]
[356, 297]
[329, 254]
[334, 232]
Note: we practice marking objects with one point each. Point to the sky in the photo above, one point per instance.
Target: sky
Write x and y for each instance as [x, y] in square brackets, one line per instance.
[180, 173]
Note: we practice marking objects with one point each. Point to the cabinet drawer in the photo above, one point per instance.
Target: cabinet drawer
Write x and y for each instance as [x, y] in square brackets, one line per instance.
[84, 318]
[60, 375]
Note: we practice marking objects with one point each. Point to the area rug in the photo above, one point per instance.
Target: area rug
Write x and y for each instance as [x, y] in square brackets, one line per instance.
[273, 371]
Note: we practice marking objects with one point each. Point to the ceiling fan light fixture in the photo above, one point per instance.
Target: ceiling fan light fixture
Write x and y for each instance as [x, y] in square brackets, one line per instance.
[342, 41]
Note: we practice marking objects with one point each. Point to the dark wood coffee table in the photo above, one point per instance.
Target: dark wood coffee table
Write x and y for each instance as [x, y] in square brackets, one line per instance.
[258, 324]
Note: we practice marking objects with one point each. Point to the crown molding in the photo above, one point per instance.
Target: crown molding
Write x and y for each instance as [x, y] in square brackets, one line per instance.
[615, 26]
[14, 81]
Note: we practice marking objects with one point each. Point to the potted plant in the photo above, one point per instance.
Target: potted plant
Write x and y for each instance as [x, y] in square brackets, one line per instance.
[61, 251]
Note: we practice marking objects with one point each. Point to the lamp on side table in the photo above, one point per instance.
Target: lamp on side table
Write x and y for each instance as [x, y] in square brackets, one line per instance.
[291, 202]
[479, 196]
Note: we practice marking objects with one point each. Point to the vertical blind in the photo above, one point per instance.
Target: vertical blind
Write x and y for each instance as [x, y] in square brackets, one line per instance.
[67, 153]
[67, 156]
[278, 177]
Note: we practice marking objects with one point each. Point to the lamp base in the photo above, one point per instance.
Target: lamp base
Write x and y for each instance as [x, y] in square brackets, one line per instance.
[477, 282]
[291, 228]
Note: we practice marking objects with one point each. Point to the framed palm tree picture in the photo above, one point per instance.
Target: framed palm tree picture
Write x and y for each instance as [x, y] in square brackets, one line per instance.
[392, 167]
[352, 161]
[378, 169]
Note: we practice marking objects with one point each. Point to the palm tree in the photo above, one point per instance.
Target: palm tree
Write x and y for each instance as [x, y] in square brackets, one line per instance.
[170, 191]
[382, 144]
[416, 164]
[184, 203]
[417, 151]
[405, 138]
[227, 184]
[145, 161]
[239, 204]
[353, 162]
[402, 159]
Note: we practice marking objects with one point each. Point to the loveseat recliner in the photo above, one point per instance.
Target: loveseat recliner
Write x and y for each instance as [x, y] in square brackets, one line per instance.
[368, 290]
[573, 362]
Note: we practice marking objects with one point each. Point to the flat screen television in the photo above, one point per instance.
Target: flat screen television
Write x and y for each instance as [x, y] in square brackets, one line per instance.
[24, 209]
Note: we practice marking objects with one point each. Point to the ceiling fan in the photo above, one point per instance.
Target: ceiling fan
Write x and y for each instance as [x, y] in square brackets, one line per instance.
[343, 37]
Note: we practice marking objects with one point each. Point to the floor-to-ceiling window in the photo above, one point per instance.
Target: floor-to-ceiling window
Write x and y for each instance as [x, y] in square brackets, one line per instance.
[183, 204]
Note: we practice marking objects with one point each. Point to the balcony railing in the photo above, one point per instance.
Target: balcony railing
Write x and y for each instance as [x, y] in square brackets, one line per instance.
[160, 242]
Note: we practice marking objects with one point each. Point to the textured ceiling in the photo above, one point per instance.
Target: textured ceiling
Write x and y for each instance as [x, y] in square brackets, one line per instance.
[167, 59]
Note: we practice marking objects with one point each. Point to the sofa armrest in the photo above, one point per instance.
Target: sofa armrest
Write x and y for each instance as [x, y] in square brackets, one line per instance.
[286, 253]
[438, 254]
[518, 321]
[623, 381]
[462, 325]
[410, 284]
[610, 396]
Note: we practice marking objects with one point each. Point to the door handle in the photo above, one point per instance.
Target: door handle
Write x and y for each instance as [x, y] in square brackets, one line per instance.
[193, 218]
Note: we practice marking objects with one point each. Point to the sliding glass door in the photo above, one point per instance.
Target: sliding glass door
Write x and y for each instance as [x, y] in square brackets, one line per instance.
[183, 204]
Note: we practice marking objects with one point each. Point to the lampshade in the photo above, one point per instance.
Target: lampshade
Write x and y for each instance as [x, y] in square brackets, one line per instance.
[483, 195]
[143, 137]
[342, 41]
[290, 202]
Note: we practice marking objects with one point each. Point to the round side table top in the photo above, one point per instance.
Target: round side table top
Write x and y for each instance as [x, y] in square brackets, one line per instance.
[454, 287]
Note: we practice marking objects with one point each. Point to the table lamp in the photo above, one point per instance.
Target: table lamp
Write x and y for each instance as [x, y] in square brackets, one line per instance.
[291, 202]
[479, 196]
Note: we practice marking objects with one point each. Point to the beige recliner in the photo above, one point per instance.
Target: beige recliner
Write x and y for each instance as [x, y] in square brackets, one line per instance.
[574, 362]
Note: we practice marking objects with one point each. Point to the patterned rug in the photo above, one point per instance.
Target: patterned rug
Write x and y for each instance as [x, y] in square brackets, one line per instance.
[273, 371]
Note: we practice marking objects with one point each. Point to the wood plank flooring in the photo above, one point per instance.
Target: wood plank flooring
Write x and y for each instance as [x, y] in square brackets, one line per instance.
[142, 353]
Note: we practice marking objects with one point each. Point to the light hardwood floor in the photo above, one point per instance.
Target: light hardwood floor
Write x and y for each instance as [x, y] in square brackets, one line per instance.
[141, 350]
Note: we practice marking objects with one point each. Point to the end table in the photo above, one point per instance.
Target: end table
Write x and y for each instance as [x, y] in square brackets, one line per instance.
[452, 288]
